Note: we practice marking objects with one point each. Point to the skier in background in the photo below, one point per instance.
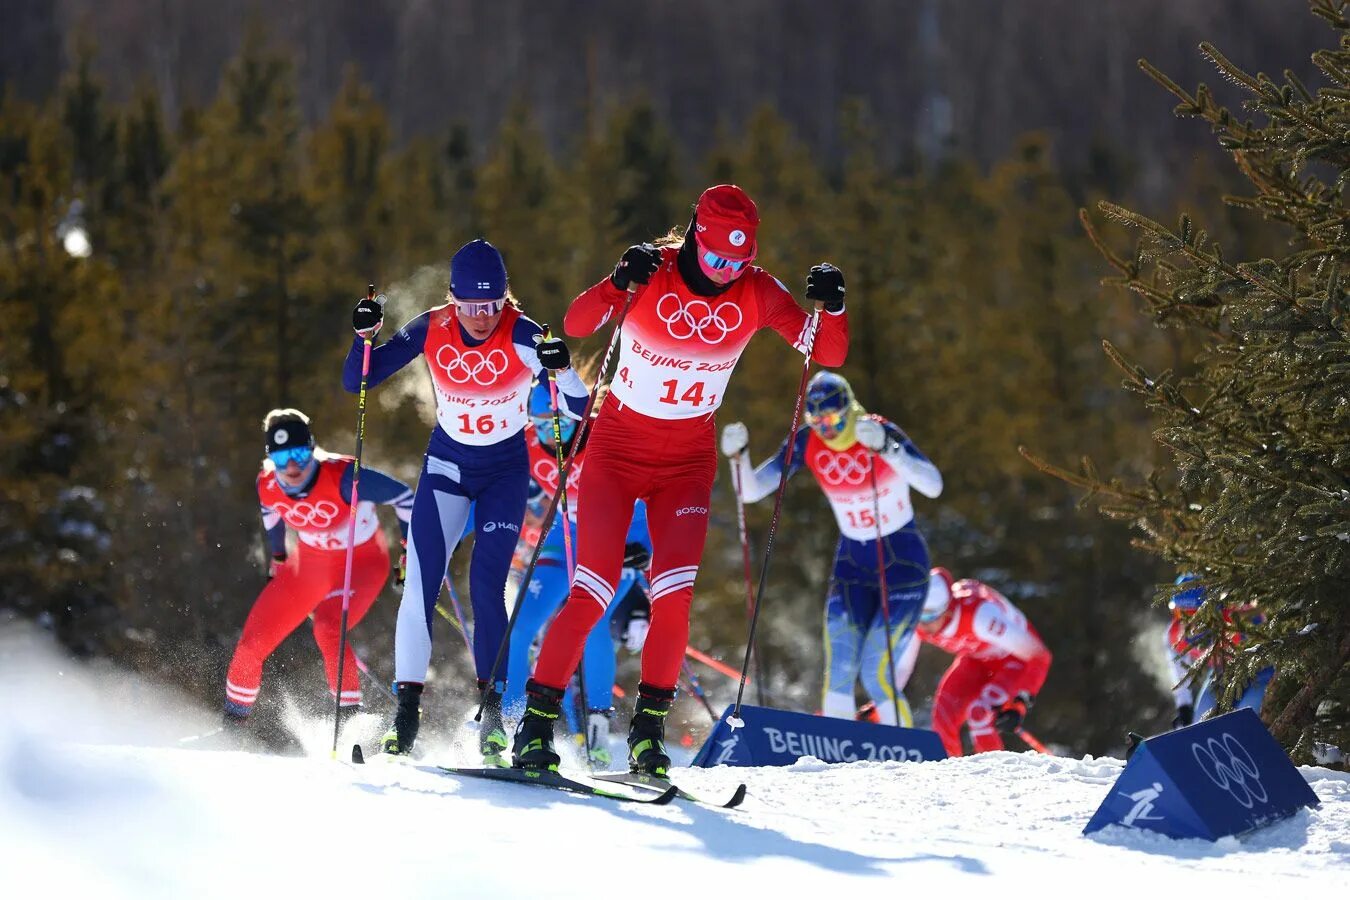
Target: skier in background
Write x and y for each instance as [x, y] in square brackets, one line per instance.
[482, 352]
[1185, 651]
[310, 490]
[1001, 662]
[838, 444]
[550, 583]
[695, 302]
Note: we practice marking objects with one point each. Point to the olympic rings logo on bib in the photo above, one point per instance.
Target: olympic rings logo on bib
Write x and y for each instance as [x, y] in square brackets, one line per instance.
[842, 468]
[698, 318]
[471, 365]
[316, 515]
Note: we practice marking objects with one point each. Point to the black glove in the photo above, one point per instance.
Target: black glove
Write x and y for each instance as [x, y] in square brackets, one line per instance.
[401, 575]
[638, 264]
[1009, 718]
[278, 560]
[552, 352]
[636, 555]
[1185, 716]
[825, 284]
[368, 316]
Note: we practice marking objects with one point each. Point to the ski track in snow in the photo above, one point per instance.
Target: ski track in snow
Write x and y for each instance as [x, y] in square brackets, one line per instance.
[98, 814]
[117, 821]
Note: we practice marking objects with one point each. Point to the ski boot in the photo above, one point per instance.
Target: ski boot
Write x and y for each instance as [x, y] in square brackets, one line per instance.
[597, 736]
[647, 733]
[398, 741]
[492, 741]
[533, 746]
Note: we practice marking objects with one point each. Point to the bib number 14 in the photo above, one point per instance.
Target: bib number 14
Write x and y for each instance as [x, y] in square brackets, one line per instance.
[692, 395]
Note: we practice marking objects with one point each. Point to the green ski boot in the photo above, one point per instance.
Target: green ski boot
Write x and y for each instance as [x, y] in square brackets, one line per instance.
[647, 732]
[533, 745]
[492, 741]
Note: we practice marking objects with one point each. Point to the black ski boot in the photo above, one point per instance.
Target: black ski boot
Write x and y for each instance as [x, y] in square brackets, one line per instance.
[647, 732]
[533, 746]
[491, 729]
[398, 741]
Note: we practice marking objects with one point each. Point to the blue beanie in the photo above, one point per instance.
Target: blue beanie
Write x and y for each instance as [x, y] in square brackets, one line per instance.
[477, 272]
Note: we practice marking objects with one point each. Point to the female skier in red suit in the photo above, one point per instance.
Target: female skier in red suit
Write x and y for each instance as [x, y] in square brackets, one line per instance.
[695, 304]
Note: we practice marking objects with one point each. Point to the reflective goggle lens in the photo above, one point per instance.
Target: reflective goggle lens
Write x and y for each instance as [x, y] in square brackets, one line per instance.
[830, 421]
[721, 262]
[481, 307]
[301, 456]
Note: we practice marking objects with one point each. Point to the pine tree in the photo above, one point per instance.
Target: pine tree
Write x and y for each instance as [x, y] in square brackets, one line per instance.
[1257, 502]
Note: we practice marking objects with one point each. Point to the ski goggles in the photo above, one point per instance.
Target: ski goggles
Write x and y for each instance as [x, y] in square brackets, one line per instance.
[480, 307]
[299, 455]
[714, 261]
[828, 422]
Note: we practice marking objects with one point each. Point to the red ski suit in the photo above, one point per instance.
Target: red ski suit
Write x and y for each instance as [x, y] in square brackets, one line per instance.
[654, 440]
[998, 654]
[311, 582]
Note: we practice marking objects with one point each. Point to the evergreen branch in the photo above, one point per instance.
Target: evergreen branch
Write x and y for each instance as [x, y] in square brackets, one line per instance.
[1228, 70]
[1115, 261]
[1331, 11]
[1270, 287]
[1089, 481]
[1313, 691]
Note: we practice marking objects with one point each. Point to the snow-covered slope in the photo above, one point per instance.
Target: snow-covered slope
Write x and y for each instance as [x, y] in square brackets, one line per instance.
[112, 820]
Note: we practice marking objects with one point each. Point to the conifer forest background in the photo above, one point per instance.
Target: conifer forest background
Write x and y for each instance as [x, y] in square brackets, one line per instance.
[193, 195]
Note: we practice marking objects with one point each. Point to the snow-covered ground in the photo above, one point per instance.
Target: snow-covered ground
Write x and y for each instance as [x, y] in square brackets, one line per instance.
[91, 815]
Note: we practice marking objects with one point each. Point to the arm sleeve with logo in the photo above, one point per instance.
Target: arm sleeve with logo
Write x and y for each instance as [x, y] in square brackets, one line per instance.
[904, 457]
[781, 313]
[570, 386]
[386, 359]
[756, 484]
[378, 487]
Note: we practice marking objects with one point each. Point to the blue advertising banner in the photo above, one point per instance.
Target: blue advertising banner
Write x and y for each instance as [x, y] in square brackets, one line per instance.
[1220, 777]
[774, 737]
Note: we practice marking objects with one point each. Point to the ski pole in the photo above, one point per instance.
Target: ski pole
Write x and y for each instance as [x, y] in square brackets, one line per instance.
[735, 720]
[547, 523]
[715, 664]
[873, 459]
[698, 690]
[749, 585]
[1032, 742]
[351, 526]
[583, 718]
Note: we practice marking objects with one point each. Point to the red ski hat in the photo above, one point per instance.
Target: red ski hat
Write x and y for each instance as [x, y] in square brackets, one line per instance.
[727, 219]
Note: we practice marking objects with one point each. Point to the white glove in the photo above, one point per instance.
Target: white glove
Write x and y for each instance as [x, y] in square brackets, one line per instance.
[636, 635]
[871, 434]
[735, 438]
